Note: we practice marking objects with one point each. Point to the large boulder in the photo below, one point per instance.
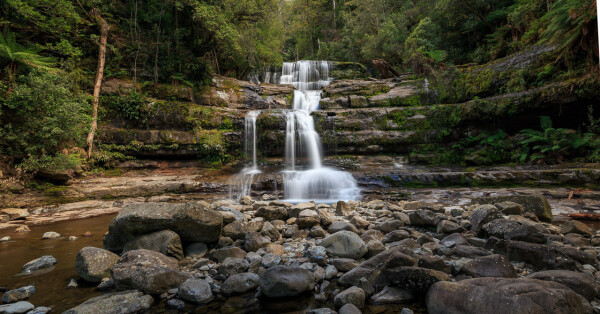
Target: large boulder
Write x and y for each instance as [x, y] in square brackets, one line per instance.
[580, 283]
[193, 222]
[578, 227]
[415, 279]
[196, 291]
[147, 271]
[489, 266]
[514, 230]
[117, 302]
[16, 308]
[93, 264]
[344, 244]
[16, 295]
[270, 213]
[286, 281]
[423, 218]
[237, 230]
[373, 268]
[536, 204]
[165, 242]
[504, 295]
[352, 295]
[482, 215]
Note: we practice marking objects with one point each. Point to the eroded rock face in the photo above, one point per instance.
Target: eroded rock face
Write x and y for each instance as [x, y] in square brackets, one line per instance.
[286, 281]
[94, 264]
[117, 302]
[488, 295]
[191, 221]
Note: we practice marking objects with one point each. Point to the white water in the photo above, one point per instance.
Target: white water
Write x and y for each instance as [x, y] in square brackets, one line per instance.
[305, 178]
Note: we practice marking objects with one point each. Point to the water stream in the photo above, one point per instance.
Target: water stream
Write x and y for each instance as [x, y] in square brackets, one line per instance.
[304, 177]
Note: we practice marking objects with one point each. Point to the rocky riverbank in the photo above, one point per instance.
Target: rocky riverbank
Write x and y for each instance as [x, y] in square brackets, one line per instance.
[497, 252]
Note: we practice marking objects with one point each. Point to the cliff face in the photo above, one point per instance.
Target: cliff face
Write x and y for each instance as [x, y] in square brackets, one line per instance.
[408, 115]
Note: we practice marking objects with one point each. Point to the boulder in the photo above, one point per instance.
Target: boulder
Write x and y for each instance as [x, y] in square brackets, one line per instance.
[286, 281]
[255, 241]
[342, 208]
[448, 227]
[414, 279]
[16, 308]
[352, 295]
[506, 295]
[389, 226]
[231, 266]
[510, 208]
[196, 291]
[39, 263]
[240, 283]
[337, 226]
[514, 230]
[237, 230]
[392, 295]
[536, 204]
[50, 235]
[394, 236]
[15, 213]
[165, 242]
[196, 250]
[16, 295]
[373, 268]
[423, 218]
[117, 302]
[453, 240]
[578, 282]
[344, 244]
[482, 215]
[349, 309]
[230, 251]
[193, 222]
[270, 213]
[489, 266]
[94, 264]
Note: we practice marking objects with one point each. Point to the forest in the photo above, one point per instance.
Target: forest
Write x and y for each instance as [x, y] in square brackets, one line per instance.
[49, 50]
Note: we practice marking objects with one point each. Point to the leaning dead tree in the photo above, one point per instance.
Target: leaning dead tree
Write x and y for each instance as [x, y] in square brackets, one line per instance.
[99, 75]
[384, 69]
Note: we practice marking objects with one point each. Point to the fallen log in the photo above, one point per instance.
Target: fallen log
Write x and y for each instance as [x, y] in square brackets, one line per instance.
[582, 216]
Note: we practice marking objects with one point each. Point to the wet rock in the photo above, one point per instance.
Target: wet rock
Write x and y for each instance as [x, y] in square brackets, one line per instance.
[372, 234]
[270, 213]
[22, 228]
[117, 302]
[415, 279]
[359, 222]
[514, 230]
[488, 295]
[392, 295]
[106, 284]
[343, 264]
[375, 247]
[255, 241]
[269, 231]
[580, 283]
[16, 295]
[240, 283]
[295, 210]
[489, 266]
[536, 204]
[352, 295]
[40, 310]
[423, 218]
[575, 226]
[342, 209]
[231, 251]
[237, 230]
[349, 309]
[448, 227]
[482, 215]
[308, 222]
[147, 271]
[434, 262]
[322, 310]
[344, 244]
[196, 291]
[286, 281]
[470, 251]
[394, 236]
[94, 264]
[231, 266]
[16, 308]
[51, 235]
[453, 240]
[270, 260]
[373, 268]
[317, 254]
[317, 232]
[72, 284]
[510, 208]
[165, 242]
[15, 213]
[576, 240]
[73, 238]
[39, 263]
[191, 221]
[5, 239]
[337, 226]
[196, 250]
[175, 304]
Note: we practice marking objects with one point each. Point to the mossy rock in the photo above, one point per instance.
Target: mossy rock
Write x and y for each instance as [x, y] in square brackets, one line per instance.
[536, 204]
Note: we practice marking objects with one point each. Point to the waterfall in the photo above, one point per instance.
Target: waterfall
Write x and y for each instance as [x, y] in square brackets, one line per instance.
[305, 178]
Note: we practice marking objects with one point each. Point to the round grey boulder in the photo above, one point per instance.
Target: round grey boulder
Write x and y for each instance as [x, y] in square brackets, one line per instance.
[344, 244]
[286, 281]
[93, 264]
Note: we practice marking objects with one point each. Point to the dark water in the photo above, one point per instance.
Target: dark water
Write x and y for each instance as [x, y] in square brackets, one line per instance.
[51, 283]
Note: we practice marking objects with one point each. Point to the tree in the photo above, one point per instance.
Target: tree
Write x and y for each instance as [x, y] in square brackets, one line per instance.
[99, 75]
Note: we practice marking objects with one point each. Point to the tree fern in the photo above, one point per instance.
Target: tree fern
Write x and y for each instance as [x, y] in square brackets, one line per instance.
[16, 53]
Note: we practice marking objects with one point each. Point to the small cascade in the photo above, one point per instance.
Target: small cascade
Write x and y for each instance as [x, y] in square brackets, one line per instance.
[304, 178]
[241, 184]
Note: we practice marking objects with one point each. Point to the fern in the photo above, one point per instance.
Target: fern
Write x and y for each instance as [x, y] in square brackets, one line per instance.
[14, 52]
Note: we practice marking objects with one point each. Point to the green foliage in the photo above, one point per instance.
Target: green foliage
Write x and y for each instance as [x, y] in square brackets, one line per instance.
[554, 145]
[129, 106]
[41, 118]
[14, 52]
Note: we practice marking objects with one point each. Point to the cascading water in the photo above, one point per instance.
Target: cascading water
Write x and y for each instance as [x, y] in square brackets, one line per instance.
[245, 179]
[305, 178]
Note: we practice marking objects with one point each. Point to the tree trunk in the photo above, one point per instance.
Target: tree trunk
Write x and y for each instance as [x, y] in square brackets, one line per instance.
[99, 75]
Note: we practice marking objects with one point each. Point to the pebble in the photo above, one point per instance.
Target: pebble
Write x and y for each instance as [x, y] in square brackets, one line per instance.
[72, 284]
[5, 239]
[87, 234]
[73, 238]
[51, 235]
